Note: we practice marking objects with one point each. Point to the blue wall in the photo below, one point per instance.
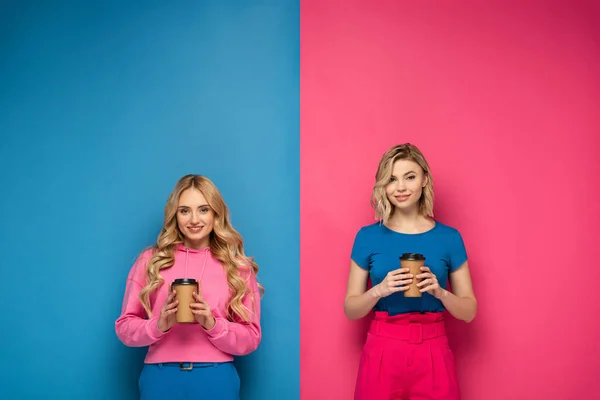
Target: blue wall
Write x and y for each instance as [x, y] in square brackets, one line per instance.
[103, 107]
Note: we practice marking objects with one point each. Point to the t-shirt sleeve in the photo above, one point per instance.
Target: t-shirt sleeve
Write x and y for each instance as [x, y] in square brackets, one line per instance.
[458, 252]
[361, 250]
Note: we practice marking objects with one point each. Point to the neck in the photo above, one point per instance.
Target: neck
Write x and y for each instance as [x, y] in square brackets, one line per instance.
[407, 220]
[196, 245]
[405, 216]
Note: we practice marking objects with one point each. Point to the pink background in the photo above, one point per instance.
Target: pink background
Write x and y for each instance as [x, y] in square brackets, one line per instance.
[504, 102]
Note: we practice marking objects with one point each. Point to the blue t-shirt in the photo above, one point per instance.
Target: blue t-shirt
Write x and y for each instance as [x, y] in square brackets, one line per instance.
[377, 249]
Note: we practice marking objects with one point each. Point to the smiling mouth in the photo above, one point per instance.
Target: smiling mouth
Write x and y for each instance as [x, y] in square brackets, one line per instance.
[402, 198]
[195, 229]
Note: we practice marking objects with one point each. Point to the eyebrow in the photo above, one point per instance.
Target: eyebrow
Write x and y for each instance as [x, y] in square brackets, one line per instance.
[409, 172]
[200, 206]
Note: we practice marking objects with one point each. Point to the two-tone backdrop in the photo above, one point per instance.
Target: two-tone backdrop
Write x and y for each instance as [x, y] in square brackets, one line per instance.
[287, 106]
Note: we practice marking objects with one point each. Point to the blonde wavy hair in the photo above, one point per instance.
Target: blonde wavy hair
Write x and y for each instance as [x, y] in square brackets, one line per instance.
[379, 200]
[226, 245]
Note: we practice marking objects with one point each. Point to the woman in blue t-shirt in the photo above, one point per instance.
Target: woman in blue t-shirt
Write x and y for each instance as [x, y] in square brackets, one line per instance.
[406, 354]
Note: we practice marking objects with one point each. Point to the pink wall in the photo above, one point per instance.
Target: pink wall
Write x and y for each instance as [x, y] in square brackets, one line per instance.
[504, 102]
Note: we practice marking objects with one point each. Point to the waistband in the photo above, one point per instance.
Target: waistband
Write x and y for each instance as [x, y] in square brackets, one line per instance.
[188, 366]
[412, 327]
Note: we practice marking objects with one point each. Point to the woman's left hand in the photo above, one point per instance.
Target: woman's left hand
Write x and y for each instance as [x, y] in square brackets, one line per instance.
[202, 312]
[429, 283]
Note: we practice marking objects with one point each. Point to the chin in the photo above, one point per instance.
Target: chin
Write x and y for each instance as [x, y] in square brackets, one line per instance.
[404, 206]
[195, 237]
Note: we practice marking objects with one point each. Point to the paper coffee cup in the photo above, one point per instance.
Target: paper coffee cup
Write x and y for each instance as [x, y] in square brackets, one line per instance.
[184, 289]
[414, 262]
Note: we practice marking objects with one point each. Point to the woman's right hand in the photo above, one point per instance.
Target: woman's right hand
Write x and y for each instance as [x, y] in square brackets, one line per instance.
[167, 314]
[395, 281]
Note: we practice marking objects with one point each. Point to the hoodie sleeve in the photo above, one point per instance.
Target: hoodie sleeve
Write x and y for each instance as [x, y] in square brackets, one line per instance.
[133, 327]
[239, 338]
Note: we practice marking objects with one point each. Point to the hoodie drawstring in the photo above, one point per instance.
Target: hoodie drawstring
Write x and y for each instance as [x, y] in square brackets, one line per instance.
[187, 253]
[204, 264]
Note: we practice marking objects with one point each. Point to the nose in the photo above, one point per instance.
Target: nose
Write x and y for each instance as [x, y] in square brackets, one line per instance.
[195, 218]
[400, 187]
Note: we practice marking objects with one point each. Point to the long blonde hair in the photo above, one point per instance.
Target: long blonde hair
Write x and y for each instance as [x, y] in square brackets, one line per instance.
[379, 201]
[226, 245]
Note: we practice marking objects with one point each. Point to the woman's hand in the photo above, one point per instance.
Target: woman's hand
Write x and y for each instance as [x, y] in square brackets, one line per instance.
[429, 283]
[395, 281]
[202, 312]
[167, 314]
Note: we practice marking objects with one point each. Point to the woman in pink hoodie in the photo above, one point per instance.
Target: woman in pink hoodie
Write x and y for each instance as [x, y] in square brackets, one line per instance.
[193, 360]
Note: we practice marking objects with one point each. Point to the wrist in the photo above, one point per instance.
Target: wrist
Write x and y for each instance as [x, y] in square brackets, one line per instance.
[158, 329]
[161, 328]
[375, 292]
[443, 294]
[209, 323]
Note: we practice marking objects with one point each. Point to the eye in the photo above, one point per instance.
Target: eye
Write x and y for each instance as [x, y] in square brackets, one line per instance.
[392, 179]
[184, 211]
[204, 210]
[411, 177]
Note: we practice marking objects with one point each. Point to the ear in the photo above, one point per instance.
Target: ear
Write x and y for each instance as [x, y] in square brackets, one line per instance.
[426, 180]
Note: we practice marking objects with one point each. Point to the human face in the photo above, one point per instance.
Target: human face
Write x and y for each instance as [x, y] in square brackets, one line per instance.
[195, 218]
[406, 185]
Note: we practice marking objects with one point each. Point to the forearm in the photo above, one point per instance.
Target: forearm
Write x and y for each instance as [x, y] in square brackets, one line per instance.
[138, 332]
[463, 308]
[239, 338]
[356, 307]
[234, 338]
[132, 328]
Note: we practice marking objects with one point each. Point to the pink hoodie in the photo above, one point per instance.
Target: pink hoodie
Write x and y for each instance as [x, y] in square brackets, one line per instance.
[188, 342]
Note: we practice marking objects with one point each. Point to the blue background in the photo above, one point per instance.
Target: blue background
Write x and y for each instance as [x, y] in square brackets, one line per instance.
[103, 107]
